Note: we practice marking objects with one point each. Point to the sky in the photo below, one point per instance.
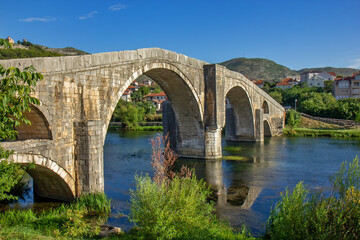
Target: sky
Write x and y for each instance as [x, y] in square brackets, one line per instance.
[297, 34]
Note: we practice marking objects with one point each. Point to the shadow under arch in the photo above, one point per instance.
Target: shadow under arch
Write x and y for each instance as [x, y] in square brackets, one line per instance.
[184, 101]
[51, 181]
[38, 129]
[267, 129]
[265, 107]
[239, 116]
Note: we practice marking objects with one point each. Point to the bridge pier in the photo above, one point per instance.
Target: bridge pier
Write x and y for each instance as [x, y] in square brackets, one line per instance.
[89, 155]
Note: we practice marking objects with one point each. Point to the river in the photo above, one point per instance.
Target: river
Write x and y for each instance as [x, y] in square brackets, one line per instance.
[245, 191]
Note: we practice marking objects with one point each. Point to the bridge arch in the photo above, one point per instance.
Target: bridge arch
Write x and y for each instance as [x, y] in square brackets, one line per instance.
[267, 129]
[51, 181]
[184, 100]
[265, 107]
[39, 127]
[240, 122]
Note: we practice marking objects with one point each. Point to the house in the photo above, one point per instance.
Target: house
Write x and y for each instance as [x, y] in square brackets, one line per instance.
[259, 83]
[126, 96]
[316, 78]
[287, 83]
[157, 99]
[147, 82]
[347, 87]
[132, 89]
[10, 40]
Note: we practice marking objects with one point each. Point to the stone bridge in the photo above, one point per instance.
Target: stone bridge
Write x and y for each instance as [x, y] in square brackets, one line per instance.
[79, 94]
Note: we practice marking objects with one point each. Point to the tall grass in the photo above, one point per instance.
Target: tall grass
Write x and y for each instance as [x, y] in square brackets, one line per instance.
[303, 215]
[174, 205]
[79, 219]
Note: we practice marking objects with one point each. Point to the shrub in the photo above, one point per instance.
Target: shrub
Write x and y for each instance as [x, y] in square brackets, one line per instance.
[300, 215]
[293, 118]
[177, 210]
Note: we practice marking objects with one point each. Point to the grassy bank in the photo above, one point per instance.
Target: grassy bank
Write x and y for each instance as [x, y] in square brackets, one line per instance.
[77, 220]
[311, 132]
[139, 128]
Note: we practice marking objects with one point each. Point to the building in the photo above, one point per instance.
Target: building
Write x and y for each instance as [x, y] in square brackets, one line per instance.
[126, 96]
[287, 83]
[347, 87]
[157, 99]
[10, 40]
[316, 78]
[259, 83]
[147, 82]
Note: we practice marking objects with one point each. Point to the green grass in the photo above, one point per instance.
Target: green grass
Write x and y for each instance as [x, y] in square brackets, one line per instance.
[147, 128]
[76, 220]
[305, 132]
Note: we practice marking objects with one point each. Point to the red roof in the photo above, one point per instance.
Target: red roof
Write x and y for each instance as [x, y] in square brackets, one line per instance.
[357, 73]
[332, 73]
[131, 86]
[126, 93]
[259, 82]
[160, 94]
[283, 83]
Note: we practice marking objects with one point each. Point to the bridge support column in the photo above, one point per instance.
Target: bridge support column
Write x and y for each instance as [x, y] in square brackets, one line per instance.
[214, 110]
[89, 157]
[259, 125]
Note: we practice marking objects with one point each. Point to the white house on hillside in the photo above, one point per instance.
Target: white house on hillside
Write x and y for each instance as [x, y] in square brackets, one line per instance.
[317, 79]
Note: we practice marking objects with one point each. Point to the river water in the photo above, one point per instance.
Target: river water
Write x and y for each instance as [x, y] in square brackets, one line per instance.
[244, 191]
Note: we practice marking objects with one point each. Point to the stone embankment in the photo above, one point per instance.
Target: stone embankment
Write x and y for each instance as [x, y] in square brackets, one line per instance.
[340, 122]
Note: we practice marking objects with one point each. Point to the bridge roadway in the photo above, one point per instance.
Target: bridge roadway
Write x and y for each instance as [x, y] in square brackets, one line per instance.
[79, 94]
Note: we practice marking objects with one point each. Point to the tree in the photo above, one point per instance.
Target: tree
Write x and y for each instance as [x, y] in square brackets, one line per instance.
[16, 87]
[277, 96]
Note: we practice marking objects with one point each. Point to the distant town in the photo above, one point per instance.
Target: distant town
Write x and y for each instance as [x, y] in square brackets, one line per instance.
[342, 87]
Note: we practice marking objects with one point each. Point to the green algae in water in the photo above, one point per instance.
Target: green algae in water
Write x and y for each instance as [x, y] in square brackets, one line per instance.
[233, 149]
[239, 158]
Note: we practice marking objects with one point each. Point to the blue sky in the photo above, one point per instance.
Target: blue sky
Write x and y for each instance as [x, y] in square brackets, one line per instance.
[296, 34]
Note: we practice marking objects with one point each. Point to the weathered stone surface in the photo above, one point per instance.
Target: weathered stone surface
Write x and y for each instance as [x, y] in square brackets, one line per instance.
[79, 93]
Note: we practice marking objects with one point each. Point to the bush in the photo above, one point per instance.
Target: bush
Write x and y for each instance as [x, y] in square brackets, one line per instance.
[300, 215]
[293, 118]
[177, 210]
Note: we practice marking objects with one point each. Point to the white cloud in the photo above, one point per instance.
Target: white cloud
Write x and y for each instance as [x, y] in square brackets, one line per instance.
[356, 63]
[89, 15]
[37, 19]
[117, 7]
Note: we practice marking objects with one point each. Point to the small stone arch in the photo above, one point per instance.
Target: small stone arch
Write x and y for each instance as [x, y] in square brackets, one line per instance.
[239, 116]
[38, 129]
[265, 107]
[51, 181]
[267, 129]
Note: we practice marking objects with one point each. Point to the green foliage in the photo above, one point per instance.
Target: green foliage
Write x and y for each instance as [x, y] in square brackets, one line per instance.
[128, 113]
[33, 51]
[304, 215]
[93, 202]
[328, 86]
[131, 113]
[277, 96]
[5, 43]
[155, 89]
[10, 180]
[76, 220]
[176, 210]
[15, 89]
[293, 118]
[144, 90]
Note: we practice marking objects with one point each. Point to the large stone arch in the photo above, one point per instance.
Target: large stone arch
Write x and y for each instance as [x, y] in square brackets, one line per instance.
[51, 181]
[240, 117]
[184, 100]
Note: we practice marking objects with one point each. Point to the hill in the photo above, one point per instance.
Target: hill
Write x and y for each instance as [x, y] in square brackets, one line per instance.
[33, 50]
[259, 68]
[339, 71]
